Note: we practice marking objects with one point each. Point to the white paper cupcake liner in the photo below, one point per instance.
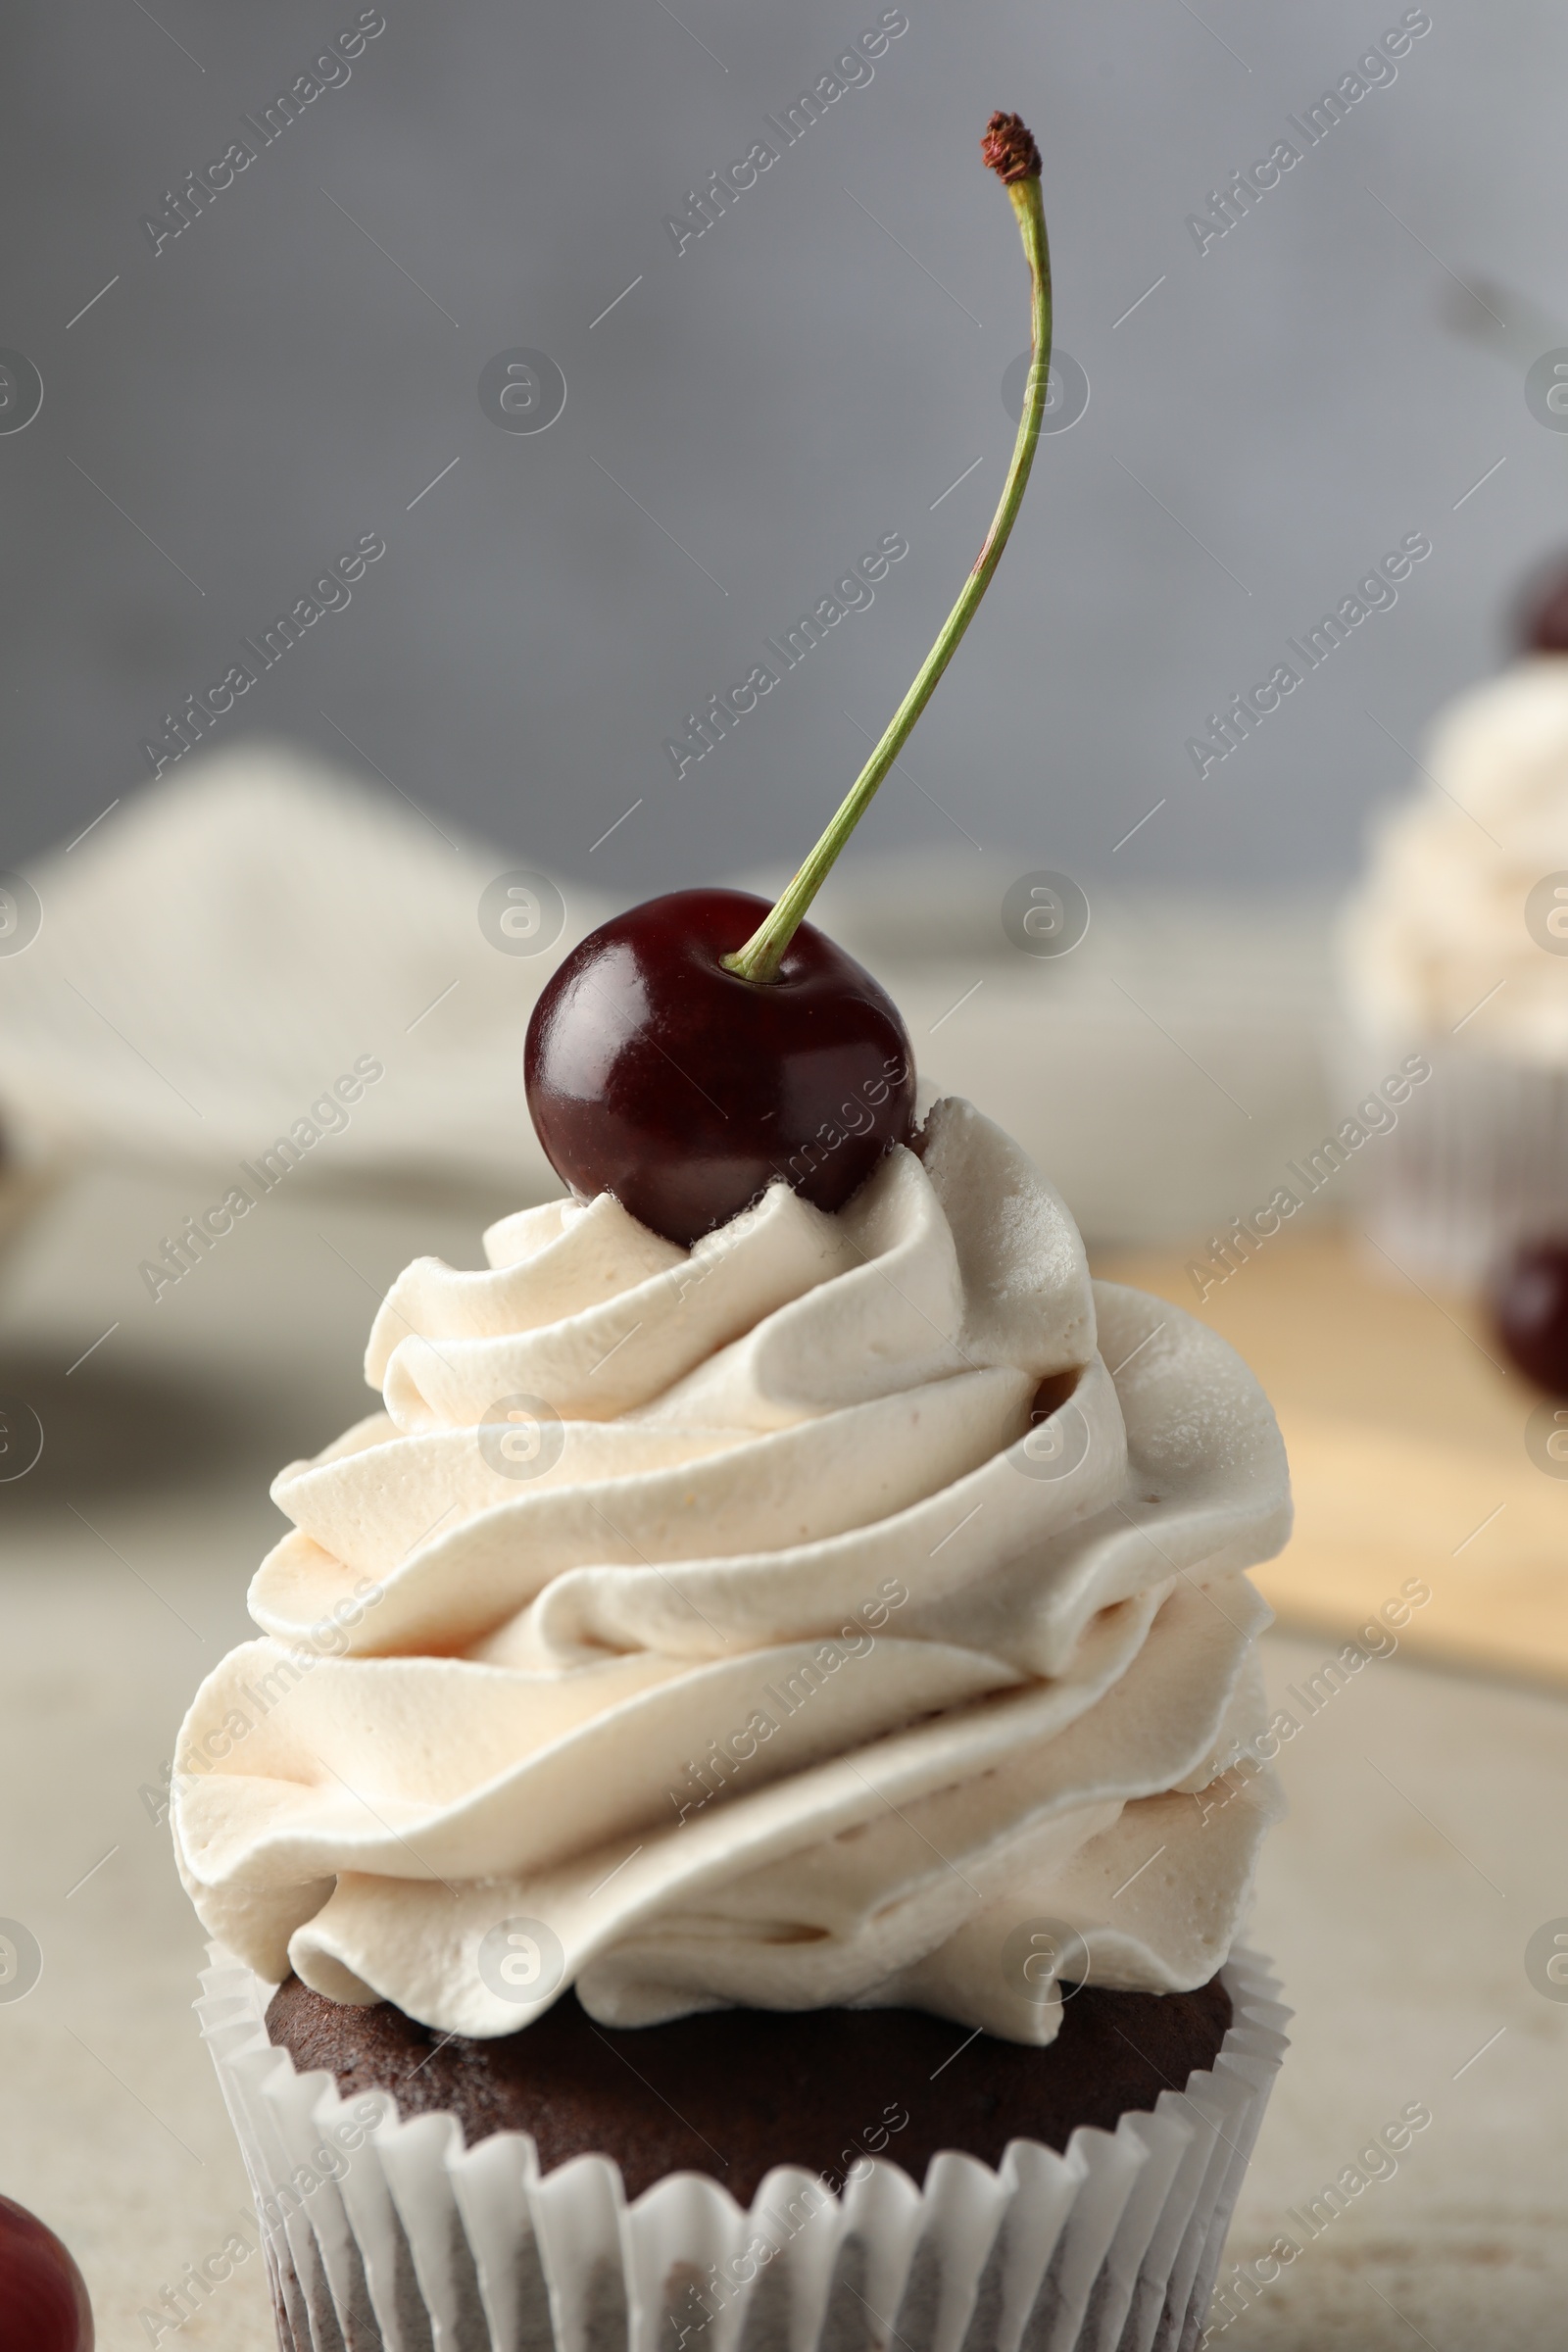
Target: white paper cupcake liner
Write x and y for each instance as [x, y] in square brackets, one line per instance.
[1478, 1161]
[384, 2236]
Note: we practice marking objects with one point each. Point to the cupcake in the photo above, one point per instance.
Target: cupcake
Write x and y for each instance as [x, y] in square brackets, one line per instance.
[1453, 959]
[752, 1747]
[736, 1824]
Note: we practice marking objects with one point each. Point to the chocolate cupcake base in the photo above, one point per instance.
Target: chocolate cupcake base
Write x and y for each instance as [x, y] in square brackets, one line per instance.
[399, 2211]
[736, 2091]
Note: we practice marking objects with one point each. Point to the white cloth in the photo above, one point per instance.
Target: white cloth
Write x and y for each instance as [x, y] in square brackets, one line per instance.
[215, 955]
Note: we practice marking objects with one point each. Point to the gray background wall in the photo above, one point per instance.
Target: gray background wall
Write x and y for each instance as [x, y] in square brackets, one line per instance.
[796, 383]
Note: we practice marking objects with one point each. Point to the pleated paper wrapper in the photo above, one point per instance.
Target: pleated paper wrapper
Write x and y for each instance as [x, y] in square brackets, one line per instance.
[381, 2233]
[1478, 1163]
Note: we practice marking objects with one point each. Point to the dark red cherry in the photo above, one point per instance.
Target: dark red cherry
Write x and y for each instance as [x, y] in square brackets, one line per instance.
[655, 1074]
[691, 1053]
[43, 2297]
[1542, 621]
[1530, 1306]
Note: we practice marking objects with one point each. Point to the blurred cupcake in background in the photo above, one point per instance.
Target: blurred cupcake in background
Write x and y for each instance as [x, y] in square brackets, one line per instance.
[1455, 945]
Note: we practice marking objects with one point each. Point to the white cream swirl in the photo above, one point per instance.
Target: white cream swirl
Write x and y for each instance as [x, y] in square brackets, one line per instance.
[795, 1668]
[1438, 939]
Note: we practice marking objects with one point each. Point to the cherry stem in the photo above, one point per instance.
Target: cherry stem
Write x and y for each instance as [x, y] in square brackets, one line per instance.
[760, 959]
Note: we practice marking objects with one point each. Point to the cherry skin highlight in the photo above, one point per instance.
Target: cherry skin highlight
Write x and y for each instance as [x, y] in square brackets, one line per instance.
[655, 1074]
[43, 2296]
[1530, 1307]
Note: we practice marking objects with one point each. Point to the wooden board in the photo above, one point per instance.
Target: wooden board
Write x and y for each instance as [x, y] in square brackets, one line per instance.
[1406, 1436]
